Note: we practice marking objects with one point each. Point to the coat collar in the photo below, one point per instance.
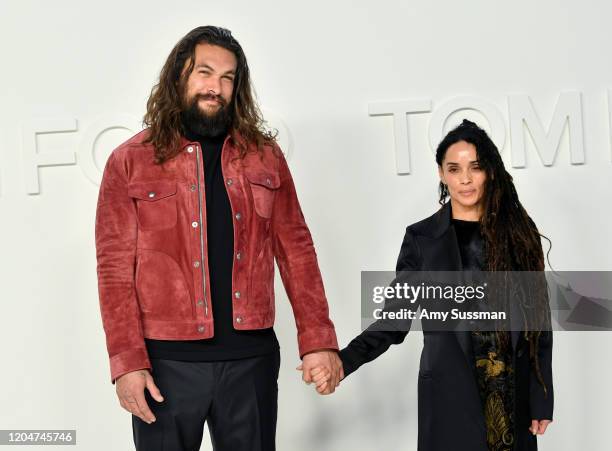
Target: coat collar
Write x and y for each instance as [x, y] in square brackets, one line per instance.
[441, 221]
[436, 225]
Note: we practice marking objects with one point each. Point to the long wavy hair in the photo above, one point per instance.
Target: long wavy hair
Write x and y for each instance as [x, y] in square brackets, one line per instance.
[163, 116]
[511, 238]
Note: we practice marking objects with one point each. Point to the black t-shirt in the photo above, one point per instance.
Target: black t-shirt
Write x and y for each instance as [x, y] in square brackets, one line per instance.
[227, 342]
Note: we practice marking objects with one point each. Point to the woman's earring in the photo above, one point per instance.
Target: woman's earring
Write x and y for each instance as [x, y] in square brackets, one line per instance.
[443, 189]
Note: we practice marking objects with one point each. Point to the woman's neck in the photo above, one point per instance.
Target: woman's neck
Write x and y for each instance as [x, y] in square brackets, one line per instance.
[459, 211]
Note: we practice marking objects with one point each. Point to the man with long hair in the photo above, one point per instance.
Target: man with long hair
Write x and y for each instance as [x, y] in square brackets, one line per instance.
[191, 213]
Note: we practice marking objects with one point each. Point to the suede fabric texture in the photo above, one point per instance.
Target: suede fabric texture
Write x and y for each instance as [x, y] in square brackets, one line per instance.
[151, 250]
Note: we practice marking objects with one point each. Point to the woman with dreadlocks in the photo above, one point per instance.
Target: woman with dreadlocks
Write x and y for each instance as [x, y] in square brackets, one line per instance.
[478, 390]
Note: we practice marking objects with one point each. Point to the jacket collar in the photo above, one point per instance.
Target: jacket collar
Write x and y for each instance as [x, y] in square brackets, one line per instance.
[437, 224]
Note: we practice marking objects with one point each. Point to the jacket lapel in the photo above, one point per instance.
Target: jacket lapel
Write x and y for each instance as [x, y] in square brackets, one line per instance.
[444, 255]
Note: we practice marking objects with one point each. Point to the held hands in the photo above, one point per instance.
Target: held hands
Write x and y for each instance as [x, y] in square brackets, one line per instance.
[324, 368]
[130, 391]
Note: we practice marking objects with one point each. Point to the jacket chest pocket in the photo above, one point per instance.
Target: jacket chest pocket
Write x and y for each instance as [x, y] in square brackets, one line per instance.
[156, 204]
[263, 187]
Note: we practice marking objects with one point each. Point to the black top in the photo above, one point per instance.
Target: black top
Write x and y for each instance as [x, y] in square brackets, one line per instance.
[227, 342]
[471, 245]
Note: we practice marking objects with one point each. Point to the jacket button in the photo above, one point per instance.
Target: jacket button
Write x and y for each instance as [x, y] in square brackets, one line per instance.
[200, 328]
[238, 216]
[151, 194]
[239, 319]
[237, 294]
[200, 302]
[194, 224]
[196, 264]
[238, 255]
[268, 181]
[229, 181]
[190, 149]
[193, 187]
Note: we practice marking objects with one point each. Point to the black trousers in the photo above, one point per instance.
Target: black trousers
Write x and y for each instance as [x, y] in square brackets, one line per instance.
[236, 398]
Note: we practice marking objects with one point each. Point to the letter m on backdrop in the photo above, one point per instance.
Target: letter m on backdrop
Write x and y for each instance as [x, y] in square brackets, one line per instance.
[567, 111]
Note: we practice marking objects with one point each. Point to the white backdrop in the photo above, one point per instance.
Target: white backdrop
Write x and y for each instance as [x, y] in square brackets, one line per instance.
[83, 71]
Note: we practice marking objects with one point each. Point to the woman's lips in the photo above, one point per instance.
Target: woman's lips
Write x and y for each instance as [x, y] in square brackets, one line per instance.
[467, 193]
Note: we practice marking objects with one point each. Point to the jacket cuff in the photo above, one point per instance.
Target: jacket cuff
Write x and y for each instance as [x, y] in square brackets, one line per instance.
[350, 361]
[542, 409]
[128, 361]
[541, 406]
[320, 338]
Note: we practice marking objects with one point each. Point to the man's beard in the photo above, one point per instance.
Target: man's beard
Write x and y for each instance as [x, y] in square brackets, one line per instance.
[207, 125]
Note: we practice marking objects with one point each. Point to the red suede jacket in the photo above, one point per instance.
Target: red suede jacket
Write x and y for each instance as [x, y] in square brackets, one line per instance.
[152, 252]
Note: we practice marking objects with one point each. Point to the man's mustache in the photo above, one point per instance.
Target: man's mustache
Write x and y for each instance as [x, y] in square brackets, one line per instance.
[215, 97]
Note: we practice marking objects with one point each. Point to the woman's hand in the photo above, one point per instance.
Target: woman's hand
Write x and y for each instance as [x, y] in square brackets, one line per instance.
[321, 376]
[327, 360]
[539, 426]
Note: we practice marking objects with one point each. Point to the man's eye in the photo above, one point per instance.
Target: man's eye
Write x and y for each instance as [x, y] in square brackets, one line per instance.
[452, 170]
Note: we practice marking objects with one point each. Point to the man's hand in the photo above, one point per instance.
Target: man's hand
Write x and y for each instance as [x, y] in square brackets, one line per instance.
[539, 427]
[130, 391]
[321, 377]
[327, 362]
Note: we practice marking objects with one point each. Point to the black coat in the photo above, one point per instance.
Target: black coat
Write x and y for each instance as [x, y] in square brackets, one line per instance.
[450, 411]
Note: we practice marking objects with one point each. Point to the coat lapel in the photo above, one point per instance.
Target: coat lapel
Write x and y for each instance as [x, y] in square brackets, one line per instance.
[443, 255]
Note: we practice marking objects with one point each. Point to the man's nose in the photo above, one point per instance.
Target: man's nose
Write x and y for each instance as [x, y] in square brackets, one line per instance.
[213, 86]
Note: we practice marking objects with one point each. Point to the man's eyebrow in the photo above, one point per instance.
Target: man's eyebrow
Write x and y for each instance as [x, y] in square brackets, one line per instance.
[204, 65]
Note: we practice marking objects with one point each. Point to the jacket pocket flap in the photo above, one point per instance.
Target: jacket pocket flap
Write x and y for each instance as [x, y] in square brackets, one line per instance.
[152, 191]
[268, 180]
